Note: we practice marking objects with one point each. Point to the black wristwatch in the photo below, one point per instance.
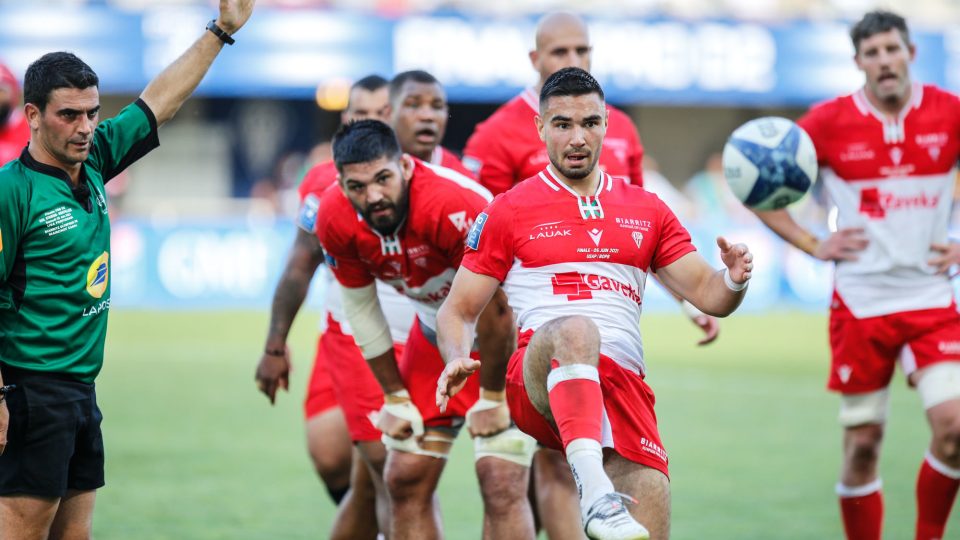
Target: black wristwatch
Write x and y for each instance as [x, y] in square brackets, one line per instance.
[217, 31]
[4, 390]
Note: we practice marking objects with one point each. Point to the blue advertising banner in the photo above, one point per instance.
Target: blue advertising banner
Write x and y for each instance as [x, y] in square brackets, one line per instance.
[237, 265]
[288, 53]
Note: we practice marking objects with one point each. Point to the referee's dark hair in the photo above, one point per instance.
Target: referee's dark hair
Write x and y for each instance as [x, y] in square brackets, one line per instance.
[364, 141]
[569, 81]
[52, 71]
[416, 75]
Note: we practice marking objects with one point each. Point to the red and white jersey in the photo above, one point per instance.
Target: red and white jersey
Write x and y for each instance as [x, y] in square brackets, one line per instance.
[422, 257]
[893, 177]
[558, 254]
[15, 132]
[398, 310]
[506, 148]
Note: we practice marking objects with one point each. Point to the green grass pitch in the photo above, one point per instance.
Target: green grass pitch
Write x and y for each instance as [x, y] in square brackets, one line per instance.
[194, 452]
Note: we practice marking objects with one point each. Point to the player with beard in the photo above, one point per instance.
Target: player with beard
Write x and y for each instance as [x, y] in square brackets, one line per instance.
[888, 156]
[572, 248]
[415, 217]
[14, 129]
[335, 417]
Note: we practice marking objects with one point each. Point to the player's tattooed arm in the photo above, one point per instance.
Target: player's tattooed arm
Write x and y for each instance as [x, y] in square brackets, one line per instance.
[274, 368]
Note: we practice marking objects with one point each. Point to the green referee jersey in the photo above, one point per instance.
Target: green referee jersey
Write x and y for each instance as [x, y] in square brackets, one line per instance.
[55, 251]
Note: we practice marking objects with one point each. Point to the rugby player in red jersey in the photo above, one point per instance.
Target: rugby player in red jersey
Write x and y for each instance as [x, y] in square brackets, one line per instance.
[572, 247]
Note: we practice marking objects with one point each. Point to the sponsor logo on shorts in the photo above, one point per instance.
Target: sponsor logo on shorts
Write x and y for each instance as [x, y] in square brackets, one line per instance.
[844, 373]
[949, 347]
[473, 237]
[577, 286]
[653, 448]
[98, 276]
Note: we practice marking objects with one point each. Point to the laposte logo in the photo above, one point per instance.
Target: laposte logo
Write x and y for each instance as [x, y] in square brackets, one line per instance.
[98, 275]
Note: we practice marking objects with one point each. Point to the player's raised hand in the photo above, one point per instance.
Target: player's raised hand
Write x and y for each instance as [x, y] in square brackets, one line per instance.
[273, 372]
[842, 245]
[946, 256]
[737, 258]
[234, 14]
[453, 378]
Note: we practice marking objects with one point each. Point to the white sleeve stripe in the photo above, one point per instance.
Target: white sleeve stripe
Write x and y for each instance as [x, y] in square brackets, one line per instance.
[461, 180]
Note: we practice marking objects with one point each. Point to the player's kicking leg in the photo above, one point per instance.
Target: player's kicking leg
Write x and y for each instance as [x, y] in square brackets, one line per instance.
[561, 378]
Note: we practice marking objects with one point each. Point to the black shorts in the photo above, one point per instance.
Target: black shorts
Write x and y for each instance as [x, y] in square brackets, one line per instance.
[54, 442]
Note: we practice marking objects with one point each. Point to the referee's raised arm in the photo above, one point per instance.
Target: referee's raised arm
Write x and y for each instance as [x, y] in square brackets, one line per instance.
[168, 90]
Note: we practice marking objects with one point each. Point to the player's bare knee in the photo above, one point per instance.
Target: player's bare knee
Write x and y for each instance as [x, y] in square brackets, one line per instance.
[503, 485]
[862, 447]
[576, 340]
[946, 440]
[406, 482]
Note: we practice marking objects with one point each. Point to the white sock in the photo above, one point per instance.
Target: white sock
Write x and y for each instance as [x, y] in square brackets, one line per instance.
[585, 457]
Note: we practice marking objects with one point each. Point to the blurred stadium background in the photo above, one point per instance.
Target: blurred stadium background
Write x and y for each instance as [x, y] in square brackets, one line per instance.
[202, 227]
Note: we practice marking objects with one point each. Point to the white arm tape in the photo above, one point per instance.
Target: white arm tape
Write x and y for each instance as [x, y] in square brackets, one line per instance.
[361, 306]
[512, 445]
[409, 412]
[481, 405]
[733, 286]
[690, 310]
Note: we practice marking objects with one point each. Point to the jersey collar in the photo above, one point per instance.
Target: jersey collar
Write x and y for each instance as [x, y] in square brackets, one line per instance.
[893, 128]
[589, 205]
[80, 192]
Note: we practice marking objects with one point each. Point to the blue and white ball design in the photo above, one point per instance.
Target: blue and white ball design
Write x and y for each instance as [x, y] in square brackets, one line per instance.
[769, 163]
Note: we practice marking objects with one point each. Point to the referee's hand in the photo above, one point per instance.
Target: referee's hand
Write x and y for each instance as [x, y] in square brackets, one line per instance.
[4, 423]
[273, 373]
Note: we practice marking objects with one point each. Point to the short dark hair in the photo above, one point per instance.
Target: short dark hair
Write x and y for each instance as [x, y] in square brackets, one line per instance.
[415, 75]
[370, 83]
[569, 81]
[877, 22]
[52, 71]
[364, 141]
